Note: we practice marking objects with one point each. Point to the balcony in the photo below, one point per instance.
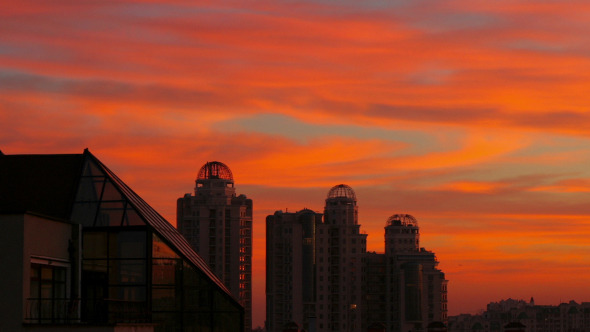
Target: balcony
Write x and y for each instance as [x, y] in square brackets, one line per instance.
[52, 311]
[77, 311]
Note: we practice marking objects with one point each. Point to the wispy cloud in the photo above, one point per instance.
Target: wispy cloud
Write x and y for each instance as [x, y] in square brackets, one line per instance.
[471, 115]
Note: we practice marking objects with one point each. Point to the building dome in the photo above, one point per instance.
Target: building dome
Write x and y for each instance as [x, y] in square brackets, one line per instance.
[402, 220]
[215, 170]
[342, 190]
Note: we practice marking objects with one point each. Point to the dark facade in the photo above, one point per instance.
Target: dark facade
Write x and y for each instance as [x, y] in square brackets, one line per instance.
[341, 249]
[353, 290]
[405, 291]
[218, 225]
[531, 317]
[418, 295]
[87, 253]
[290, 272]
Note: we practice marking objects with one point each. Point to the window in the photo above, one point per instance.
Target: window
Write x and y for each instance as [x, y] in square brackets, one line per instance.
[47, 302]
[114, 273]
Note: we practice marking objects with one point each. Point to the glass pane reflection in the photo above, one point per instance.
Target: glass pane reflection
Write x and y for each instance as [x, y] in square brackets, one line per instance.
[128, 244]
[166, 271]
[127, 272]
[161, 249]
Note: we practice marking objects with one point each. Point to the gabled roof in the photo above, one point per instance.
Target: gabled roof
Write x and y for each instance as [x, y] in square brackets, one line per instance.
[48, 185]
[44, 184]
[159, 224]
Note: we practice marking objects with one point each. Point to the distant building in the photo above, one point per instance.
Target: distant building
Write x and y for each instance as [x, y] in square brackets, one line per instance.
[565, 317]
[341, 248]
[290, 268]
[421, 294]
[218, 225]
[81, 251]
[345, 287]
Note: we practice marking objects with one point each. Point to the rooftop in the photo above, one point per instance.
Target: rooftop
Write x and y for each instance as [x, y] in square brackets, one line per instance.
[402, 220]
[215, 170]
[342, 191]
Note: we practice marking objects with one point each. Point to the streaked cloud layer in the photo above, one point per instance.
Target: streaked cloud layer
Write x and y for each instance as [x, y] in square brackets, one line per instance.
[470, 115]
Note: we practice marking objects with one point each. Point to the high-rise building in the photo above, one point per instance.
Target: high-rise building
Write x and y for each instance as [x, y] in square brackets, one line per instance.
[417, 294]
[353, 290]
[340, 252]
[218, 225]
[290, 279]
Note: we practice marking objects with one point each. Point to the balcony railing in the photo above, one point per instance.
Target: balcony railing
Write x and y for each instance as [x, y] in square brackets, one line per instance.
[52, 311]
[74, 311]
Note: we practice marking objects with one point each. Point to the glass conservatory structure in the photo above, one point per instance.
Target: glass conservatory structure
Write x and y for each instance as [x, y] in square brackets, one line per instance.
[123, 263]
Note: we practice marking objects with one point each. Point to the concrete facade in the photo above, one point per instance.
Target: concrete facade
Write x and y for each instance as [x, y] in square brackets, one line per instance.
[24, 241]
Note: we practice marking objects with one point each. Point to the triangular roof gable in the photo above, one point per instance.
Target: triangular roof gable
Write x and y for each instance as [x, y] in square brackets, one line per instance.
[155, 221]
[43, 184]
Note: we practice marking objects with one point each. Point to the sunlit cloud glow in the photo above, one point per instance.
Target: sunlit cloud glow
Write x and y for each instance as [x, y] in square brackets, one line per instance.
[471, 116]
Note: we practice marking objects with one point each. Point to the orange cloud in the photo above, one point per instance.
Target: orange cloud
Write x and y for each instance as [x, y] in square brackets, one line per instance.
[471, 187]
[567, 186]
[493, 97]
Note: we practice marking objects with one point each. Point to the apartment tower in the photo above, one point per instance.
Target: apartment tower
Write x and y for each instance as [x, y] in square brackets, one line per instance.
[340, 249]
[291, 266]
[418, 294]
[320, 276]
[218, 225]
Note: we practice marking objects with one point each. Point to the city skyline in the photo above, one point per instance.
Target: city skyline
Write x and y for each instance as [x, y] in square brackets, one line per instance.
[470, 116]
[320, 276]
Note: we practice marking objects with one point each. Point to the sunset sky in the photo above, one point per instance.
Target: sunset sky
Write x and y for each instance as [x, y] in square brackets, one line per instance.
[472, 116]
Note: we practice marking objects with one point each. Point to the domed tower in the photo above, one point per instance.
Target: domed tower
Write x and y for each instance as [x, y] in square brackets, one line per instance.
[218, 225]
[340, 249]
[402, 234]
[341, 206]
[215, 183]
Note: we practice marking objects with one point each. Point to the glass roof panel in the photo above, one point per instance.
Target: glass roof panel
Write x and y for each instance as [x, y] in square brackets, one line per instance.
[110, 192]
[110, 214]
[166, 232]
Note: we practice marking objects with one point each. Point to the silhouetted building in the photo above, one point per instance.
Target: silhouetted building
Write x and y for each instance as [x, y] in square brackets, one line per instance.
[218, 225]
[291, 327]
[353, 290]
[340, 252]
[291, 265]
[376, 327]
[418, 294]
[81, 251]
[436, 327]
[514, 327]
[519, 315]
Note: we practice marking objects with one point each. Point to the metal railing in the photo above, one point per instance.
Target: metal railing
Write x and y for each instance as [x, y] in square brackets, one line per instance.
[83, 311]
[54, 311]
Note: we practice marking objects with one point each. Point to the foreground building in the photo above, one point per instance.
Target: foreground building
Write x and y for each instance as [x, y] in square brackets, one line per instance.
[81, 251]
[218, 225]
[320, 276]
